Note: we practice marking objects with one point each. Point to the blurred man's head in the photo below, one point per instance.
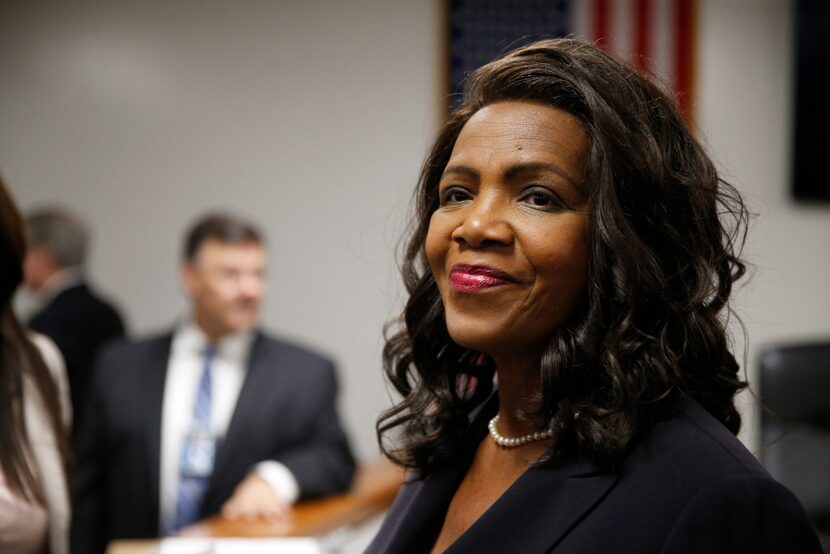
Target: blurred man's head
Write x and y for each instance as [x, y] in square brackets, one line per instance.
[223, 272]
[56, 240]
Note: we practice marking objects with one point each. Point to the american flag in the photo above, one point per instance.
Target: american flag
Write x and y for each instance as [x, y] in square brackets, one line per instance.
[657, 36]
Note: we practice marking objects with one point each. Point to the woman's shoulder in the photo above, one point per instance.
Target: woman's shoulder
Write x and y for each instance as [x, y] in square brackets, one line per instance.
[53, 360]
[689, 437]
[701, 490]
[50, 353]
[743, 512]
[685, 452]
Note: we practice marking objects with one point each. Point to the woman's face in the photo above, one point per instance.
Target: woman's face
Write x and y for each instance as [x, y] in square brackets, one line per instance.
[508, 245]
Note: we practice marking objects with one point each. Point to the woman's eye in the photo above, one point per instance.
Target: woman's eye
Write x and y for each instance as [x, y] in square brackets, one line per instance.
[453, 195]
[542, 198]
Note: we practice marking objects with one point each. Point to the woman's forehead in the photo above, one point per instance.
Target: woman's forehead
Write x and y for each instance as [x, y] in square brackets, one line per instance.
[522, 132]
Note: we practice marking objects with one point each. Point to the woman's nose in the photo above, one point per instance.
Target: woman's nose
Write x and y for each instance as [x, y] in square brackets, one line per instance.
[483, 223]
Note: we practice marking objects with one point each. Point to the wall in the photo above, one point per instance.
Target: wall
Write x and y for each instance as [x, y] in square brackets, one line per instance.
[312, 118]
[746, 92]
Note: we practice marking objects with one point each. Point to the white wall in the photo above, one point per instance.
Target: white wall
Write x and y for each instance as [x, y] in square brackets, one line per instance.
[312, 118]
[309, 117]
[746, 92]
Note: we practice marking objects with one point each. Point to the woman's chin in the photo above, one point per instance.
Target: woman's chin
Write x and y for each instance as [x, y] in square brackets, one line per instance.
[481, 338]
[471, 338]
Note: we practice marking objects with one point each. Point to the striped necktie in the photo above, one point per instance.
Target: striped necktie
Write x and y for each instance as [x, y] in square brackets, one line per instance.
[198, 451]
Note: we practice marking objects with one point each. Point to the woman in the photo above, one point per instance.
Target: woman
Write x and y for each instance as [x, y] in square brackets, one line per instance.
[574, 239]
[34, 417]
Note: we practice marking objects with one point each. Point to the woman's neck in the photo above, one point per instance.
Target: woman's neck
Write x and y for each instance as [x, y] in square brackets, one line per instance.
[520, 386]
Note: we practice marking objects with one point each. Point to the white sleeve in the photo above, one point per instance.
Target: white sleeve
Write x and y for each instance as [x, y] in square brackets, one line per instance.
[280, 479]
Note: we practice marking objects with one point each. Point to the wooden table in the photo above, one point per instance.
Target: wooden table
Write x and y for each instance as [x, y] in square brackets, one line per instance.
[373, 491]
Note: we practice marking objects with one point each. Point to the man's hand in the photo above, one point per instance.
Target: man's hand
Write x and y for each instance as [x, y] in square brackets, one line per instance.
[254, 499]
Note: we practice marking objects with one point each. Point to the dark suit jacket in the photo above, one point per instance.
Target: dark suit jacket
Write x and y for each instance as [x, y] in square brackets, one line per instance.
[285, 412]
[80, 323]
[688, 486]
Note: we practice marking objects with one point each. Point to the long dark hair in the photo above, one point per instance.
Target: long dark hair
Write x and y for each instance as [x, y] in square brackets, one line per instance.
[18, 357]
[666, 239]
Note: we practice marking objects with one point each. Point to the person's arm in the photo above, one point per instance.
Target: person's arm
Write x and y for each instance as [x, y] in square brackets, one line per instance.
[321, 465]
[266, 493]
[743, 515]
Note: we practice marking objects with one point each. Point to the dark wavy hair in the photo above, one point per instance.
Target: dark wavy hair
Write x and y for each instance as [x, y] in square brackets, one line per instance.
[666, 235]
[20, 357]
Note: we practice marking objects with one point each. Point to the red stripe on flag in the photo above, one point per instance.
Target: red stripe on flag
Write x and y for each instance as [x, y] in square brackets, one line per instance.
[642, 33]
[683, 54]
[602, 22]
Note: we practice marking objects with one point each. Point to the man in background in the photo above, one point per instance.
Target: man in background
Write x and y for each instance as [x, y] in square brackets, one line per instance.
[70, 313]
[215, 417]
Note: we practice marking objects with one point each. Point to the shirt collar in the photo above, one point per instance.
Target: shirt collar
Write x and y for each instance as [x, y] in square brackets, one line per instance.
[59, 281]
[234, 348]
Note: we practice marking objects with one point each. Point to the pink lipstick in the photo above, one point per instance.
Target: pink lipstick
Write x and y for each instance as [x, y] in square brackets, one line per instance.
[472, 278]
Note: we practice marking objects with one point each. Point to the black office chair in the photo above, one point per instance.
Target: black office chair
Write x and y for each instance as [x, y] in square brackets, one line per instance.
[795, 426]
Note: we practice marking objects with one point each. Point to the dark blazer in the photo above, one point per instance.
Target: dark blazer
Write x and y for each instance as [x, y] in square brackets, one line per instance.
[688, 486]
[79, 322]
[285, 412]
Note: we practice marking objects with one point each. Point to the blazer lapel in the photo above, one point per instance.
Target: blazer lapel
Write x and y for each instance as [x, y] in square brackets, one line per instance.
[418, 513]
[533, 515]
[256, 384]
[539, 509]
[153, 389]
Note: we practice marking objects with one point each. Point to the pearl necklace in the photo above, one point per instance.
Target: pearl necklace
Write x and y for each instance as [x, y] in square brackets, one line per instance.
[505, 442]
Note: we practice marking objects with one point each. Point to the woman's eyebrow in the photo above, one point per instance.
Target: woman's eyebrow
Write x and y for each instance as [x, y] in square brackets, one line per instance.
[516, 170]
[464, 170]
[512, 171]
